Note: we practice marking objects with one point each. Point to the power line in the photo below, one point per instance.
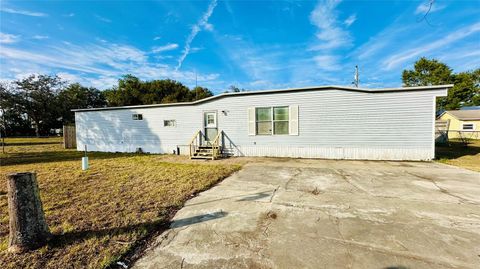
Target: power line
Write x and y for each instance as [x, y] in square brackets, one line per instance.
[424, 18]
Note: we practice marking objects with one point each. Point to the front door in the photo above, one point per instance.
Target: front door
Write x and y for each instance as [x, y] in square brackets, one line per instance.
[210, 123]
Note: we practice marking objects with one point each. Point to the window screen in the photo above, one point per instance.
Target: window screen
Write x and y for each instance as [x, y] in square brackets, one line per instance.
[169, 123]
[280, 120]
[137, 117]
[272, 120]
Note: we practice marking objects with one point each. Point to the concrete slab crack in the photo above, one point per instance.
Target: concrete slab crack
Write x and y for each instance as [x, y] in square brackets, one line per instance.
[344, 176]
[336, 222]
[406, 254]
[273, 194]
[443, 190]
[295, 174]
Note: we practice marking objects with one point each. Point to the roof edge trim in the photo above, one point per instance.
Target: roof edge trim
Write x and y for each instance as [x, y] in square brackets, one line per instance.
[222, 95]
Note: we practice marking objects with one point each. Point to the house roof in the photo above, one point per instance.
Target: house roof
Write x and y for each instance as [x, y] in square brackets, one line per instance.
[231, 94]
[464, 114]
[470, 108]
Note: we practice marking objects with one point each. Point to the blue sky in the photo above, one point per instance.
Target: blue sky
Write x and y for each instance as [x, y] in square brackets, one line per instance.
[253, 45]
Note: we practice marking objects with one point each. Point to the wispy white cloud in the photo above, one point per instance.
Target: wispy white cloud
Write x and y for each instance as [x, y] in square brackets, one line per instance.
[429, 6]
[99, 64]
[399, 58]
[167, 47]
[157, 38]
[327, 62]
[69, 15]
[350, 20]
[330, 33]
[101, 18]
[23, 12]
[40, 37]
[208, 27]
[195, 29]
[381, 41]
[196, 49]
[8, 38]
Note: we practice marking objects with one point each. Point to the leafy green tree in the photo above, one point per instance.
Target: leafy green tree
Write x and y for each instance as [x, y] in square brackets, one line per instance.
[426, 73]
[11, 122]
[167, 91]
[198, 93]
[133, 91]
[38, 101]
[77, 96]
[466, 89]
[465, 92]
[234, 88]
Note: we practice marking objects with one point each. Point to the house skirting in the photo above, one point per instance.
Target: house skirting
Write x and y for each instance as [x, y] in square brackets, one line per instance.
[417, 154]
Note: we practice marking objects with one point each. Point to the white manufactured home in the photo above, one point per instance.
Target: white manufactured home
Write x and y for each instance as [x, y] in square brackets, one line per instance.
[331, 122]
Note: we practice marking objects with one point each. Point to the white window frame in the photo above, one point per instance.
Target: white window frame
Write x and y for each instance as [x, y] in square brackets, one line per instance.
[174, 123]
[135, 116]
[471, 130]
[205, 119]
[272, 113]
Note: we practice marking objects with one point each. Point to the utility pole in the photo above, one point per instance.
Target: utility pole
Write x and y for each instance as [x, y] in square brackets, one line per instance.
[356, 78]
[196, 85]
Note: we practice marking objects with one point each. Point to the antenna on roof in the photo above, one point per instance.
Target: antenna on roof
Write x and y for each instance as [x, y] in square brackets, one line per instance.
[196, 84]
[356, 79]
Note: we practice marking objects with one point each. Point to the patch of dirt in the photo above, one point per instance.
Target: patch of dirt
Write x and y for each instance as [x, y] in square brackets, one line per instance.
[315, 191]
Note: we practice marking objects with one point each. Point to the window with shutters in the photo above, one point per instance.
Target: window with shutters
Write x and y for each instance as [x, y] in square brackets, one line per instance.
[272, 120]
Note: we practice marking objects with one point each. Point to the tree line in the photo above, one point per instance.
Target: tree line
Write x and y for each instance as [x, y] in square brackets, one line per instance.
[38, 104]
[427, 72]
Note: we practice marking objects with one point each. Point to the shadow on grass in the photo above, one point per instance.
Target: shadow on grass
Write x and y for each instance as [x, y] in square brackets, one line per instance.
[62, 240]
[9, 144]
[456, 150]
[69, 238]
[55, 156]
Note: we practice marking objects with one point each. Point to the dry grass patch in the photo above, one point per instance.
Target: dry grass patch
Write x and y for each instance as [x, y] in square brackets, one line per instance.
[99, 215]
[460, 155]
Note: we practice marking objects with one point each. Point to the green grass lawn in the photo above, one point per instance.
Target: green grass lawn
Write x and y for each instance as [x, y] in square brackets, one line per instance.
[460, 155]
[99, 215]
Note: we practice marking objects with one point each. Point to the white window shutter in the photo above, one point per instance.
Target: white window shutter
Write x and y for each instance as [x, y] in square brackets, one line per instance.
[293, 120]
[251, 121]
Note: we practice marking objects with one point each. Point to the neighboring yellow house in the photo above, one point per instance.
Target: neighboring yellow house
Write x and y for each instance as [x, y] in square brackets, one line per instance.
[464, 123]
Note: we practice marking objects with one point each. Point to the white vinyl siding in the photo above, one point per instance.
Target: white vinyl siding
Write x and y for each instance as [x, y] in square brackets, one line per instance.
[329, 123]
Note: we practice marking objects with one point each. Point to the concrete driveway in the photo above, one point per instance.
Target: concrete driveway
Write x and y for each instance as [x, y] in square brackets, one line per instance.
[279, 213]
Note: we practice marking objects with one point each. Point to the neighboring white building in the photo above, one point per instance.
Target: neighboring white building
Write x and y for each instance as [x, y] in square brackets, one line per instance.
[317, 122]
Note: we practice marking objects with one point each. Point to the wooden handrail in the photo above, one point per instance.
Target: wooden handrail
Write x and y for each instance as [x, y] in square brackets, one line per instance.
[192, 146]
[194, 137]
[215, 145]
[217, 138]
[196, 143]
